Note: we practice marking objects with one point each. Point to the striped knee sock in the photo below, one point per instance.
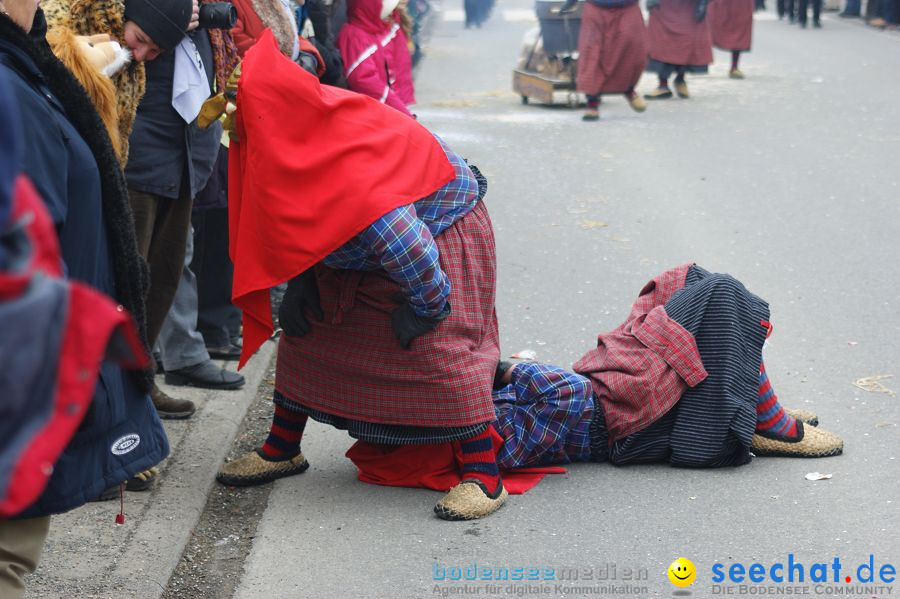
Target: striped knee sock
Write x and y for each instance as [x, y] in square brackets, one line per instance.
[480, 461]
[284, 437]
[771, 419]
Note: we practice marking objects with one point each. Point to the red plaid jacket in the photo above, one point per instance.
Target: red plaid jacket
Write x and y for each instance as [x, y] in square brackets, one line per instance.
[640, 370]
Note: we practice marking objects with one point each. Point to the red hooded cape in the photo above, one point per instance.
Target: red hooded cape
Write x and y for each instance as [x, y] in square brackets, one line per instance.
[314, 166]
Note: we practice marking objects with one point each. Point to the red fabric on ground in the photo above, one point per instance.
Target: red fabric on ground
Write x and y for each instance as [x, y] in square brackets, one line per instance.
[676, 37]
[612, 49]
[352, 365]
[435, 467]
[314, 165]
[731, 24]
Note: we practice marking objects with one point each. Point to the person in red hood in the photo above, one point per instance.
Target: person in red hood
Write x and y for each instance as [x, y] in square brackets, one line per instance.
[390, 330]
[376, 55]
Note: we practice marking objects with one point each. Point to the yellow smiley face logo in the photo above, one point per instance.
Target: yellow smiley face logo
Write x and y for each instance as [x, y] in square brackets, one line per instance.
[682, 572]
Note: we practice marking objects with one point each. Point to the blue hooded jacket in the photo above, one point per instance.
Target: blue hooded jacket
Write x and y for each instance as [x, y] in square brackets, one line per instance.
[121, 434]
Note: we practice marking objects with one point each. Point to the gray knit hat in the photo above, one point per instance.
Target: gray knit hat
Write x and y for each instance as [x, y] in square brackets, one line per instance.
[165, 21]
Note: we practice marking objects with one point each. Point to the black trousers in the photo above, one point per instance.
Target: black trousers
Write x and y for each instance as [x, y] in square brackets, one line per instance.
[786, 7]
[804, 6]
[218, 320]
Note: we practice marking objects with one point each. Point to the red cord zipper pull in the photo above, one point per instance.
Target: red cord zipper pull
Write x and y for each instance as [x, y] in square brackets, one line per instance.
[120, 517]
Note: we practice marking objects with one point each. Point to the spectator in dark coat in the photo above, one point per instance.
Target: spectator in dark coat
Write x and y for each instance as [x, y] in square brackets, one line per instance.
[67, 154]
[170, 161]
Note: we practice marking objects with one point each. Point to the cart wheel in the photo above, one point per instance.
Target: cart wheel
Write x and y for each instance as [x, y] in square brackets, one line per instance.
[524, 99]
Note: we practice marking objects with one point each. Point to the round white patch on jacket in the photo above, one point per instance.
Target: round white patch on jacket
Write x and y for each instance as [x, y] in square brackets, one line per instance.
[123, 445]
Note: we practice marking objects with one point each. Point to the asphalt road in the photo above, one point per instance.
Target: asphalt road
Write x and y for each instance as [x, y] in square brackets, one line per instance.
[787, 180]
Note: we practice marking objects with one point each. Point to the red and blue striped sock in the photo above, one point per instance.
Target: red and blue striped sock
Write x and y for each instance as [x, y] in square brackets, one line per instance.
[480, 461]
[284, 437]
[771, 419]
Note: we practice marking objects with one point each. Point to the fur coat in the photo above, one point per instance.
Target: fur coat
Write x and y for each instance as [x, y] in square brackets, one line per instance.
[87, 17]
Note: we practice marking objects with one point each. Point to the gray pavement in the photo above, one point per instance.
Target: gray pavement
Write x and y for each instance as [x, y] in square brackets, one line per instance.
[787, 180]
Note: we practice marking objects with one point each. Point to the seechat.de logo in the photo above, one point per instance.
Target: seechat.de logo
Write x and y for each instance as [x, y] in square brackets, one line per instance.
[682, 572]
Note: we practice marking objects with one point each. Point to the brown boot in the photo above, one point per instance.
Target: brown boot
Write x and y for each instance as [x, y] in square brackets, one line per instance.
[169, 407]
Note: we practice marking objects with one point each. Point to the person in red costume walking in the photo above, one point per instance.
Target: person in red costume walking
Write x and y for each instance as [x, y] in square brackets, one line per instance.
[612, 52]
[680, 43]
[731, 23]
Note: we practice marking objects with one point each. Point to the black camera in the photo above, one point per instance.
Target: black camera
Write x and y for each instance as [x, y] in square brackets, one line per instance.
[218, 15]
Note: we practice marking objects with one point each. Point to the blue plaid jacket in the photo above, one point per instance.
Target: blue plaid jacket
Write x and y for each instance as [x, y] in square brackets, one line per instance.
[402, 241]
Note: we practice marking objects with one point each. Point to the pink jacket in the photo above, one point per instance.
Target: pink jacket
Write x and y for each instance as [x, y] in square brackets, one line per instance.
[375, 55]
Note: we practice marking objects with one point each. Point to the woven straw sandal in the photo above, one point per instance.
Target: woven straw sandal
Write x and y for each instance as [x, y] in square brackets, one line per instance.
[250, 470]
[470, 500]
[815, 443]
[805, 416]
[637, 103]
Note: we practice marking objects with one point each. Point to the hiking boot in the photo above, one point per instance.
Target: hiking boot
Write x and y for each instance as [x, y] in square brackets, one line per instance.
[206, 375]
[169, 407]
[142, 481]
[470, 500]
[252, 469]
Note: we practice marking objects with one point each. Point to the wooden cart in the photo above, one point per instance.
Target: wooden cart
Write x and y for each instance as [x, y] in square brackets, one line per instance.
[551, 62]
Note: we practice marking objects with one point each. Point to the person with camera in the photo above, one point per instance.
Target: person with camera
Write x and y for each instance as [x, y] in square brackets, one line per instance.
[171, 159]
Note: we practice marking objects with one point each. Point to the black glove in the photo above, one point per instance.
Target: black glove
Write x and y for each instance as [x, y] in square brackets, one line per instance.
[700, 11]
[302, 293]
[334, 65]
[408, 325]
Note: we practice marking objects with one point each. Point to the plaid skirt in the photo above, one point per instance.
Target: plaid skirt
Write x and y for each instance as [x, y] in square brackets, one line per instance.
[350, 367]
